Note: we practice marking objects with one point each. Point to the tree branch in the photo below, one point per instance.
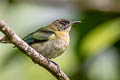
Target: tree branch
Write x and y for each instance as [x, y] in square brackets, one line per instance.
[34, 55]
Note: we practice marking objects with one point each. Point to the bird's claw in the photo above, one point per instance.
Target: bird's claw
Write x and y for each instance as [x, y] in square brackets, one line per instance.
[58, 68]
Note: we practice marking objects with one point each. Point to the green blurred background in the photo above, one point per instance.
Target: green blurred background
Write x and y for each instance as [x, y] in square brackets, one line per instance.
[94, 51]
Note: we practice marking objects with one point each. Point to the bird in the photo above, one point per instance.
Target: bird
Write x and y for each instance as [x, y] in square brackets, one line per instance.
[52, 40]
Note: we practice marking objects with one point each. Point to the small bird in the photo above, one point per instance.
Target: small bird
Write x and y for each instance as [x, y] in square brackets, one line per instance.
[51, 41]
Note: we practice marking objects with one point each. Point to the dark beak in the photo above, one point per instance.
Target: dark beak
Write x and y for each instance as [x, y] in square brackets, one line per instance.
[75, 22]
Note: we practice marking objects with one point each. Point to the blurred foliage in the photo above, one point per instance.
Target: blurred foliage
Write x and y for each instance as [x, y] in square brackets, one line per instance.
[101, 37]
[98, 32]
[94, 51]
[14, 55]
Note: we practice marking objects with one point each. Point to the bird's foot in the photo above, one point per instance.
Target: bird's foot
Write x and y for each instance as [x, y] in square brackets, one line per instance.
[58, 68]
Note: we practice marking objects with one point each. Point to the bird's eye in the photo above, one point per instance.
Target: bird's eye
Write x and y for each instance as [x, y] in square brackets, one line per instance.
[64, 22]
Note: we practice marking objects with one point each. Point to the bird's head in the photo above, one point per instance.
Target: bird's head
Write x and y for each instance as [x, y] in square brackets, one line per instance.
[63, 24]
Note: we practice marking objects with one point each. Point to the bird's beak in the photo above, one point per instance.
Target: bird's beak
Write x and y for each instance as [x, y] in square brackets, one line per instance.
[75, 22]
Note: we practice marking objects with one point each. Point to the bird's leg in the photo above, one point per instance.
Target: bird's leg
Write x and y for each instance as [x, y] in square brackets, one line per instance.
[58, 68]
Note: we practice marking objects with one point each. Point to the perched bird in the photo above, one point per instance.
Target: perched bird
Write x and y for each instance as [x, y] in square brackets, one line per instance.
[51, 41]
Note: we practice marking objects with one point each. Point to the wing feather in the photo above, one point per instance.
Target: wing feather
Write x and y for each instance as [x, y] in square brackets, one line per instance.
[39, 36]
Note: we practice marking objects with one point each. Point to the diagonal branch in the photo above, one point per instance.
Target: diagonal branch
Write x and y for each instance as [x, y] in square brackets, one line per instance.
[34, 55]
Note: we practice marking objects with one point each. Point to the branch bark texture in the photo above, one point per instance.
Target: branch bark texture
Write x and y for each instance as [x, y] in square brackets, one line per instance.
[34, 55]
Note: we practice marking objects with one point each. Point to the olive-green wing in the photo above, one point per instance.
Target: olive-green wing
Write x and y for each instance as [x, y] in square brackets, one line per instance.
[38, 36]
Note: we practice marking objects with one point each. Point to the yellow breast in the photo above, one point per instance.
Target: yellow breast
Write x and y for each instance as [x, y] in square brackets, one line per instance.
[64, 35]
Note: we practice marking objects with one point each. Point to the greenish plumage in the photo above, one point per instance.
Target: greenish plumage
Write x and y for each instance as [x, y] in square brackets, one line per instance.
[38, 36]
[51, 41]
